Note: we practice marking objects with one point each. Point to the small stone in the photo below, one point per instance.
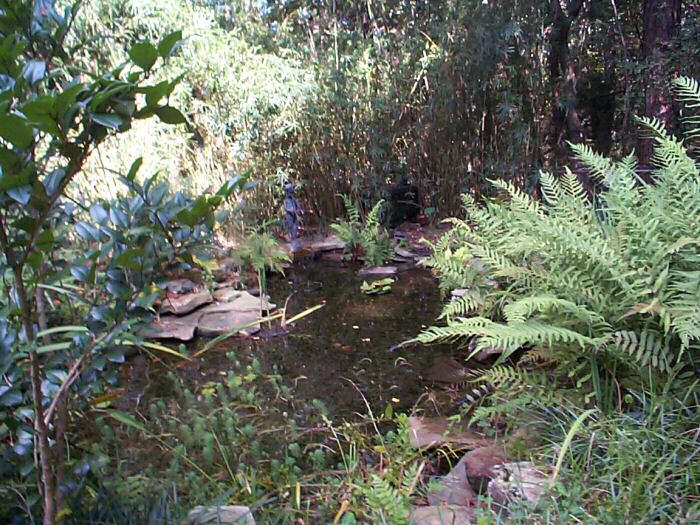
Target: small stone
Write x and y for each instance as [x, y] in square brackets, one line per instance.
[184, 304]
[480, 463]
[442, 515]
[459, 292]
[223, 515]
[517, 481]
[378, 271]
[173, 327]
[425, 432]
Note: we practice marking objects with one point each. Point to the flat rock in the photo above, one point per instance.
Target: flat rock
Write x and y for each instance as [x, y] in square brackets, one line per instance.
[453, 488]
[333, 258]
[212, 324]
[518, 481]
[325, 245]
[446, 369]
[238, 301]
[223, 515]
[378, 271]
[224, 295]
[442, 515]
[479, 465]
[459, 292]
[180, 286]
[425, 432]
[173, 327]
[184, 304]
[406, 254]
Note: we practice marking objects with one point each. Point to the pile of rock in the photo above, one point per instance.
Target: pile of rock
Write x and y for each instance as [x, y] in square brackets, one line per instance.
[483, 470]
[189, 310]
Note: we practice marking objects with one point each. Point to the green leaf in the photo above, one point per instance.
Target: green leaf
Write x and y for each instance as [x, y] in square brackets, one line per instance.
[99, 214]
[109, 121]
[170, 115]
[62, 329]
[128, 259]
[127, 420]
[133, 170]
[144, 55]
[34, 71]
[168, 44]
[16, 130]
[53, 347]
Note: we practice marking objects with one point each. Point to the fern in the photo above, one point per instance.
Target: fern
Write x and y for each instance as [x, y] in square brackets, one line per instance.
[608, 290]
[368, 239]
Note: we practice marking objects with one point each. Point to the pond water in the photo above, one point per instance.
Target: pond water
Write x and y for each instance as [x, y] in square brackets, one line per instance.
[341, 352]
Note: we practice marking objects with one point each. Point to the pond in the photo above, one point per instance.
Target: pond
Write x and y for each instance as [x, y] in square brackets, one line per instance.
[343, 351]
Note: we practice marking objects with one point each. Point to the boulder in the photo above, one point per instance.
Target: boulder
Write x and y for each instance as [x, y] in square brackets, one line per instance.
[222, 515]
[184, 304]
[212, 324]
[173, 327]
[424, 432]
[442, 515]
[517, 481]
[479, 465]
[378, 271]
[453, 488]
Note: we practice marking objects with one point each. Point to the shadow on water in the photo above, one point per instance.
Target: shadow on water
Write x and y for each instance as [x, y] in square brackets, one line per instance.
[342, 349]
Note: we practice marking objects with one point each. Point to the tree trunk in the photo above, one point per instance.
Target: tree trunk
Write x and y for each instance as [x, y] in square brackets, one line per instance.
[661, 19]
[566, 124]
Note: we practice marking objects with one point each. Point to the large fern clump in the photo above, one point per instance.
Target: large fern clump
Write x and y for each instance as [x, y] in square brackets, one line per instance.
[606, 289]
[369, 239]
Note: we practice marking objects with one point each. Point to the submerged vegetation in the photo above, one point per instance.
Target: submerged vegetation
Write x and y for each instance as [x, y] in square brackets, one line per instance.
[144, 150]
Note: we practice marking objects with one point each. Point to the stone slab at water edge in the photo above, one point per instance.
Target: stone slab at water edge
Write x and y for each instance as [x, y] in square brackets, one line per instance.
[426, 432]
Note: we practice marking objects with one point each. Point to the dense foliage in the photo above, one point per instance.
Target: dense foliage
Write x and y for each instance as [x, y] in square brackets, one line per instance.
[606, 289]
[584, 282]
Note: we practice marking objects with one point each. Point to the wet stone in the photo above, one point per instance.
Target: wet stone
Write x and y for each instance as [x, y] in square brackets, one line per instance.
[180, 286]
[517, 481]
[378, 271]
[427, 432]
[173, 327]
[218, 323]
[453, 488]
[442, 515]
[223, 515]
[184, 304]
[325, 245]
[480, 464]
[446, 369]
[239, 301]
